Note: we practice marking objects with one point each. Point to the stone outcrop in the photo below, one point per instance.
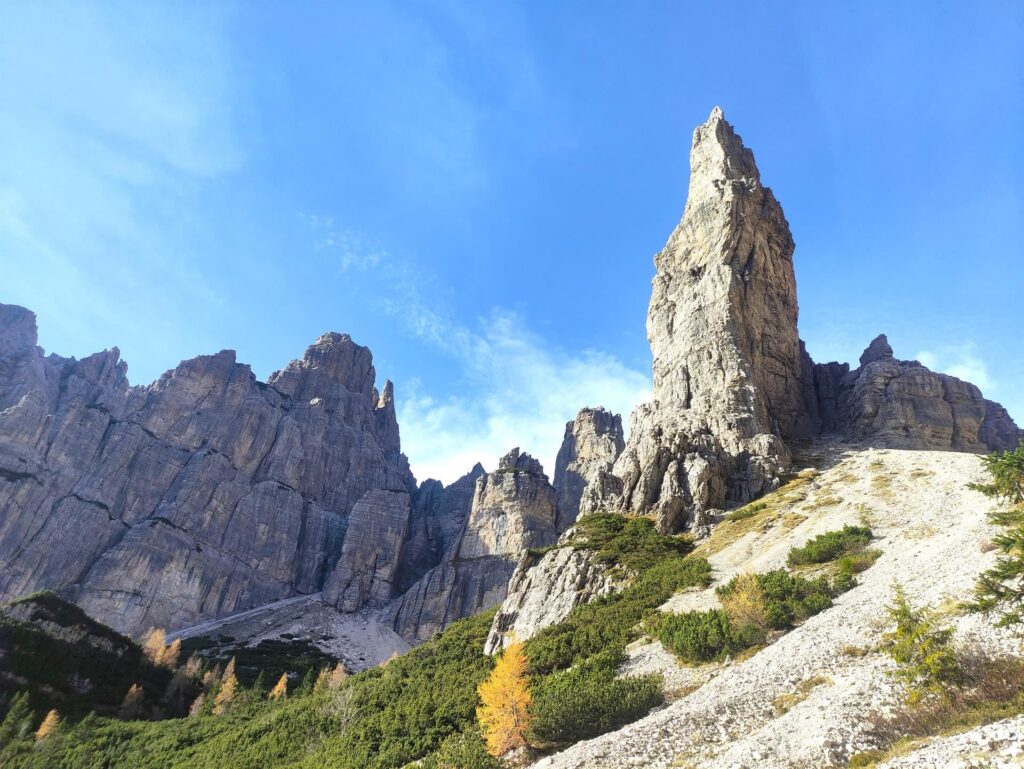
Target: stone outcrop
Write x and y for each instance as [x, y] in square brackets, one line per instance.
[729, 369]
[544, 592]
[205, 493]
[733, 383]
[367, 571]
[513, 509]
[901, 404]
[592, 443]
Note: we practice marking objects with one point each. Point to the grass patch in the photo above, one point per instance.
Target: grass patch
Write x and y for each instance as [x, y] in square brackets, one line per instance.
[995, 691]
[760, 514]
[786, 702]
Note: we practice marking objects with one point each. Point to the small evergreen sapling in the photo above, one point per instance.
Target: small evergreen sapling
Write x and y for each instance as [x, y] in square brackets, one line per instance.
[926, 664]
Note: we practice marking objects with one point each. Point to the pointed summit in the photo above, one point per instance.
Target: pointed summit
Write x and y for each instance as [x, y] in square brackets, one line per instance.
[718, 154]
[729, 374]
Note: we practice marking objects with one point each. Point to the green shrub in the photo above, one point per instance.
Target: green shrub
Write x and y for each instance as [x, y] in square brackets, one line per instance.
[588, 700]
[789, 598]
[831, 545]
[1002, 586]
[630, 543]
[465, 750]
[926, 664]
[697, 636]
[747, 511]
[609, 621]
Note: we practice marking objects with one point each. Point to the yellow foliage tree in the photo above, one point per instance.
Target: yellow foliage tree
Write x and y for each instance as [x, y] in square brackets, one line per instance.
[337, 677]
[154, 645]
[170, 655]
[132, 706]
[745, 604]
[504, 712]
[227, 694]
[197, 705]
[280, 691]
[49, 726]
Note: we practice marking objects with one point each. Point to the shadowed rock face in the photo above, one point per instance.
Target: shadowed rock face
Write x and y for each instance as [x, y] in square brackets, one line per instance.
[513, 509]
[205, 493]
[592, 443]
[903, 405]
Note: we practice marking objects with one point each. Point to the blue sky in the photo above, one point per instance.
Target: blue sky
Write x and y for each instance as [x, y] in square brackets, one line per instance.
[476, 190]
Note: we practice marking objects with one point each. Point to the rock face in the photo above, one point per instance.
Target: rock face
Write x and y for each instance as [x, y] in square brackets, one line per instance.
[545, 592]
[513, 509]
[901, 404]
[732, 380]
[367, 570]
[592, 443]
[729, 372]
[439, 515]
[203, 494]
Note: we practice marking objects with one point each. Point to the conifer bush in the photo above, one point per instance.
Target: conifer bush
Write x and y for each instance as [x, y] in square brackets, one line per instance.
[1002, 587]
[831, 545]
[588, 700]
[926, 663]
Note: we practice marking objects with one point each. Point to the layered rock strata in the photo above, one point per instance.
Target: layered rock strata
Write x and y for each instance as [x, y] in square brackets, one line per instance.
[544, 591]
[205, 493]
[901, 404]
[592, 443]
[729, 370]
[513, 509]
[733, 383]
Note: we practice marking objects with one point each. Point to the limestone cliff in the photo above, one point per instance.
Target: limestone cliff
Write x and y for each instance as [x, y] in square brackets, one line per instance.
[205, 493]
[903, 405]
[592, 443]
[733, 383]
[513, 509]
[729, 371]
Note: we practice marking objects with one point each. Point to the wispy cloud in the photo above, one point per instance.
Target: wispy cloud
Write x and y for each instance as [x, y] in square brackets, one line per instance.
[961, 361]
[519, 388]
[350, 249]
[521, 391]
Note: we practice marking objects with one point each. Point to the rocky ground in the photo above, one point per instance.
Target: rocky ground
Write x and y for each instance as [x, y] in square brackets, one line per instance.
[359, 639]
[827, 675]
[993, 746]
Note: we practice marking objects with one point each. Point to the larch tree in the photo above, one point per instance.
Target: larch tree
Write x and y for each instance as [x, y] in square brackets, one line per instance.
[49, 726]
[133, 705]
[505, 701]
[337, 677]
[228, 690]
[154, 645]
[280, 690]
[171, 654]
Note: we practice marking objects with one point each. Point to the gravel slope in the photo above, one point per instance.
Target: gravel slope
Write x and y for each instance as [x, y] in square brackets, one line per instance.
[933, 533]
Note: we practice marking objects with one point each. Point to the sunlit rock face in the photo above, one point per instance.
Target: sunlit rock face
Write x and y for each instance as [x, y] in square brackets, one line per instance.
[902, 404]
[733, 384]
[730, 376]
[205, 493]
